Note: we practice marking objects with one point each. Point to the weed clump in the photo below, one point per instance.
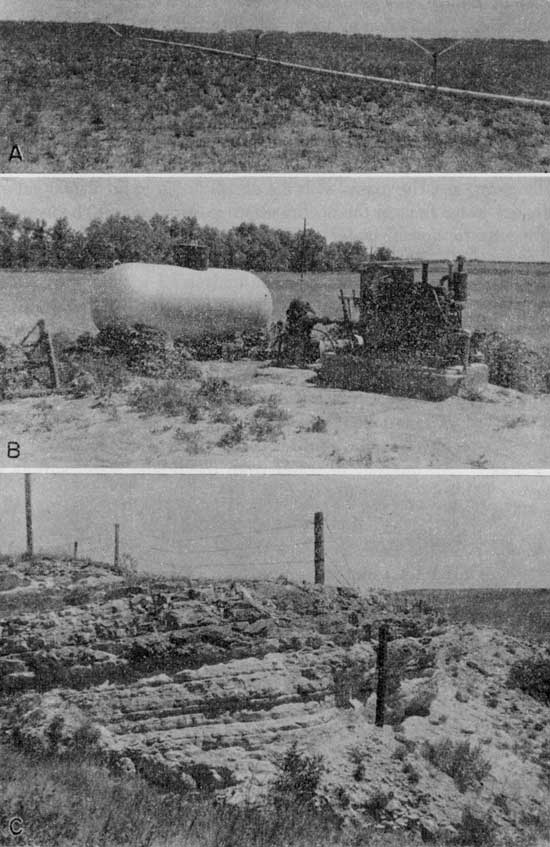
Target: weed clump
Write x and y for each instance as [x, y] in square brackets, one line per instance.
[460, 760]
[167, 397]
[236, 434]
[317, 425]
[513, 365]
[190, 440]
[215, 392]
[266, 424]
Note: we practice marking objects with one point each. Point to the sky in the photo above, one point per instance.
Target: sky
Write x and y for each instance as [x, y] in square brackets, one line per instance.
[380, 531]
[428, 18]
[499, 217]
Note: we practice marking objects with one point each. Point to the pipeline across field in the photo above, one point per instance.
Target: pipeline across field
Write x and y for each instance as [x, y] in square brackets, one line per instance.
[399, 83]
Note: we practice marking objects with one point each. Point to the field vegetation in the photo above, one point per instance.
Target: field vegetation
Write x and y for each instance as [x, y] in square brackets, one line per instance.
[522, 612]
[79, 98]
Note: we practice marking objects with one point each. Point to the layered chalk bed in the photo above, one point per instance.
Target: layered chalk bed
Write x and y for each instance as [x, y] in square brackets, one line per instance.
[213, 688]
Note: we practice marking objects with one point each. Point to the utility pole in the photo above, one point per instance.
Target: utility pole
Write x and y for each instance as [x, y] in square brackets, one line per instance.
[28, 514]
[319, 548]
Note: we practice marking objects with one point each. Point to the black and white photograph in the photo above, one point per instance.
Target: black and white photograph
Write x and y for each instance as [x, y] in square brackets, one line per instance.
[274, 423]
[251, 85]
[269, 321]
[276, 660]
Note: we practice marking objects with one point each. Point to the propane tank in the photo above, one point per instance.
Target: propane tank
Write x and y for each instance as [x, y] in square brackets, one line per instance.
[187, 304]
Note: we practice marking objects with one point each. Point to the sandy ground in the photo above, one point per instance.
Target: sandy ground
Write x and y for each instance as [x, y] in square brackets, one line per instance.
[504, 430]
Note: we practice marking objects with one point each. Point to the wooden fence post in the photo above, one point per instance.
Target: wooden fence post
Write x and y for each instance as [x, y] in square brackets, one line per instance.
[28, 515]
[319, 548]
[381, 669]
[117, 543]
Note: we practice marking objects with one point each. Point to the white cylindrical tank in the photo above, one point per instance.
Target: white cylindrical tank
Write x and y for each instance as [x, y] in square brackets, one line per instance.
[186, 304]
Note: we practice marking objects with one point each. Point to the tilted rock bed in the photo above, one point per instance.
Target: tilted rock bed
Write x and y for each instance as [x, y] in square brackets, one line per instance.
[153, 626]
[205, 685]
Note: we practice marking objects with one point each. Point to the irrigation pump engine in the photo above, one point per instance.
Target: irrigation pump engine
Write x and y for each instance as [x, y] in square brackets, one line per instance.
[404, 335]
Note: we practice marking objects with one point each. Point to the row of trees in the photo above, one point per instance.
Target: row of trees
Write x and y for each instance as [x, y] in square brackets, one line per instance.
[27, 243]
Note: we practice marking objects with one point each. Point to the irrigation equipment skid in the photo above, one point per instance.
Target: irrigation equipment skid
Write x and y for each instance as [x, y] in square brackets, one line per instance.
[399, 83]
[405, 336]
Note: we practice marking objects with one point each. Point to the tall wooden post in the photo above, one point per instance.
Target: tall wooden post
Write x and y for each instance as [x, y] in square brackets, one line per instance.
[28, 514]
[117, 545]
[319, 548]
[46, 340]
[381, 671]
[75, 550]
[304, 268]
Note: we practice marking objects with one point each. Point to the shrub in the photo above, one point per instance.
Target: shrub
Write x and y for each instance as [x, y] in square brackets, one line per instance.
[358, 761]
[85, 739]
[270, 410]
[376, 804]
[166, 397]
[265, 430]
[532, 676]
[216, 391]
[191, 440]
[513, 365]
[299, 778]
[234, 435]
[459, 760]
[223, 415]
[475, 830]
[318, 424]
[127, 566]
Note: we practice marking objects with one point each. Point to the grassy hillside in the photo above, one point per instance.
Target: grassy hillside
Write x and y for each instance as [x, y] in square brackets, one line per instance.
[79, 98]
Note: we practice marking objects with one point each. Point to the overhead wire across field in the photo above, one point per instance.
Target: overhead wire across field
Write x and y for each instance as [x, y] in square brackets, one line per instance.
[400, 83]
[244, 535]
[228, 549]
[243, 532]
[343, 554]
[90, 541]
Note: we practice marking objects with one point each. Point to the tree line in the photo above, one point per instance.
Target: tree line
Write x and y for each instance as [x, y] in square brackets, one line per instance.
[32, 244]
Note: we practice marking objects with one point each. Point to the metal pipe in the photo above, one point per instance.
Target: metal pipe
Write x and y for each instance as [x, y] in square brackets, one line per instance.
[402, 83]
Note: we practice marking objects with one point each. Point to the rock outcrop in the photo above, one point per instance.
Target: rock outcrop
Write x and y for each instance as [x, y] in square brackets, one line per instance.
[205, 685]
